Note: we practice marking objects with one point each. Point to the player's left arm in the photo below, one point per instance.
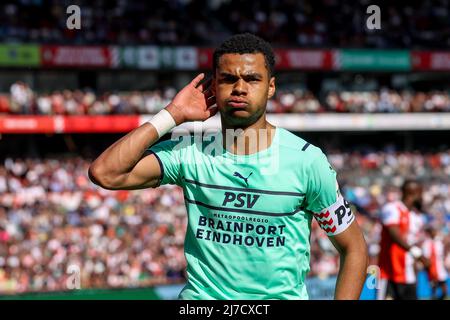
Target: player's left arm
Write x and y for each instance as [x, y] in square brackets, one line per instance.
[353, 253]
[334, 215]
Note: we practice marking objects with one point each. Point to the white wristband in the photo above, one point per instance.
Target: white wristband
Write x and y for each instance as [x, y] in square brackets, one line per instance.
[416, 252]
[163, 122]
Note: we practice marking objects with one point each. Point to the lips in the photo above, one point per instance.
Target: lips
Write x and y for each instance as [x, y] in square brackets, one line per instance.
[237, 103]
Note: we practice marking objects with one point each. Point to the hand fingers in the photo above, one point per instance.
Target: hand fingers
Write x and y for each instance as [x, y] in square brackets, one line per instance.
[212, 111]
[206, 85]
[197, 79]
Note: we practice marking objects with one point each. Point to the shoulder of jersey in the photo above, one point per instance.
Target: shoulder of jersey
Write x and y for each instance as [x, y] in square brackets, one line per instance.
[178, 143]
[294, 142]
[392, 205]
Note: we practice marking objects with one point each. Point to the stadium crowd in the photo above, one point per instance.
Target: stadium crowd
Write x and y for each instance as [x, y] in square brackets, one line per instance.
[23, 100]
[52, 217]
[324, 23]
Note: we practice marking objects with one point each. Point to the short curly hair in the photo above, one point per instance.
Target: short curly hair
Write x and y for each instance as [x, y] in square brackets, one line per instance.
[246, 43]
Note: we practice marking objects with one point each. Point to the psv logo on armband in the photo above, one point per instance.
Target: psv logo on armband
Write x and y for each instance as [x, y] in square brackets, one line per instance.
[336, 218]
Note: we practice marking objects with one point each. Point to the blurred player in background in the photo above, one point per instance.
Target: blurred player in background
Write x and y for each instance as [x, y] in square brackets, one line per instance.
[249, 230]
[400, 248]
[433, 249]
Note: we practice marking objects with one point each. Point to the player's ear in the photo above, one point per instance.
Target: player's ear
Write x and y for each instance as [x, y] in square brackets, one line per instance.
[213, 85]
[272, 88]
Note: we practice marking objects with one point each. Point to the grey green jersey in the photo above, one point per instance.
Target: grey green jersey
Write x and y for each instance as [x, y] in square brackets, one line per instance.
[249, 217]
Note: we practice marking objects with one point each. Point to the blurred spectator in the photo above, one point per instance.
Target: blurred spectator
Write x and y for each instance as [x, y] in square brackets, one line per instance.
[21, 98]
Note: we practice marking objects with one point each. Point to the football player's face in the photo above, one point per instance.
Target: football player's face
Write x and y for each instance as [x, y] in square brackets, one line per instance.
[242, 87]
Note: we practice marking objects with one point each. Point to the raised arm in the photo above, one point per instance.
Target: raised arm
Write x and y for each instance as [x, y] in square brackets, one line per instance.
[126, 165]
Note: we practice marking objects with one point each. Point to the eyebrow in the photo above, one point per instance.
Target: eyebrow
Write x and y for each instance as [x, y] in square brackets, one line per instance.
[246, 75]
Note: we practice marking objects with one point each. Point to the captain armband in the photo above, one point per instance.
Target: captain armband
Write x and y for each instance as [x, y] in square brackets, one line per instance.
[336, 218]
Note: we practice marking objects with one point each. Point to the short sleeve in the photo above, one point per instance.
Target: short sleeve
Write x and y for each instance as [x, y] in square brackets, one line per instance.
[168, 155]
[390, 215]
[329, 208]
[322, 188]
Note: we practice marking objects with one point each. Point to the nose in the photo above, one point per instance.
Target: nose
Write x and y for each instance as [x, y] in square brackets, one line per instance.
[239, 87]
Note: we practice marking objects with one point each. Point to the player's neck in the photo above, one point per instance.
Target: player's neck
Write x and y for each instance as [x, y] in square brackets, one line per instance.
[244, 140]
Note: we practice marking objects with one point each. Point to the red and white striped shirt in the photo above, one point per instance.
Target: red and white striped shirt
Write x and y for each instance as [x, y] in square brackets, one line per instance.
[397, 264]
[433, 249]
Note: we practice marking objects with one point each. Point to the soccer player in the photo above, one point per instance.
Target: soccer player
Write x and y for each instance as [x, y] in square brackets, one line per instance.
[433, 249]
[251, 190]
[400, 247]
